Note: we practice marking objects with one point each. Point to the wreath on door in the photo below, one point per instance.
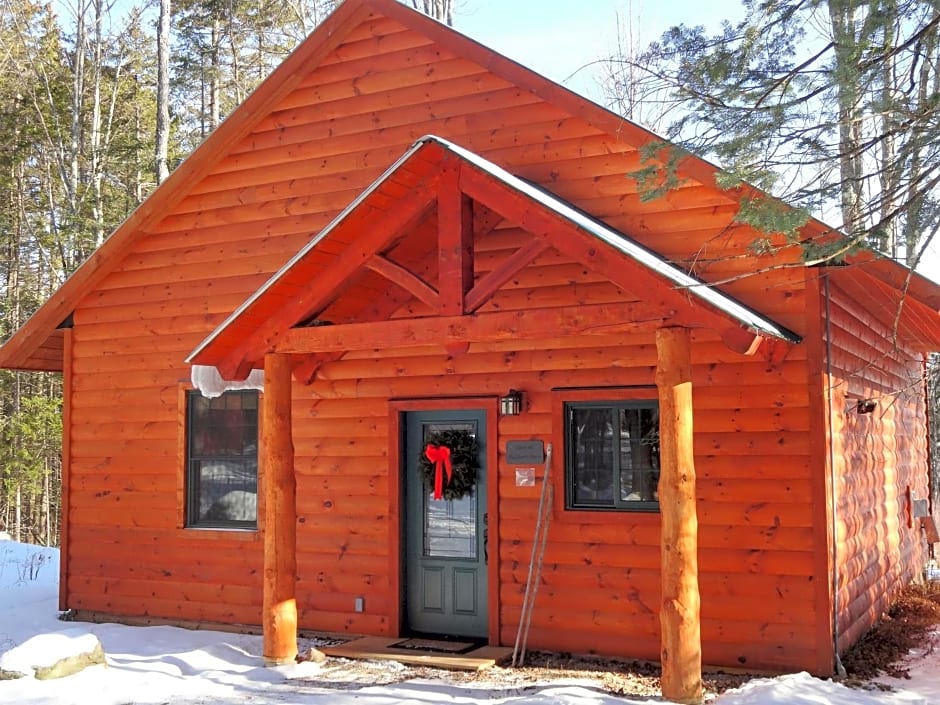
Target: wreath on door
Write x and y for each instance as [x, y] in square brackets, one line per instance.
[449, 462]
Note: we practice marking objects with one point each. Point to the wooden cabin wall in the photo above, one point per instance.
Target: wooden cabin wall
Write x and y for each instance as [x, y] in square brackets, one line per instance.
[600, 584]
[881, 460]
[381, 89]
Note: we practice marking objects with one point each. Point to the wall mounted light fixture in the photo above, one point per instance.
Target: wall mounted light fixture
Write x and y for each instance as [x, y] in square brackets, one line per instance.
[865, 406]
[511, 403]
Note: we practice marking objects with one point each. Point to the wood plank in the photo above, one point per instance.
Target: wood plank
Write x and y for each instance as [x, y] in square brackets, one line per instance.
[308, 123]
[481, 327]
[384, 649]
[410, 282]
[455, 241]
[487, 285]
[520, 124]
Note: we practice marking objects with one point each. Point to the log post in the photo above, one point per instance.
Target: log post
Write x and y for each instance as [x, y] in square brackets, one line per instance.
[279, 606]
[681, 641]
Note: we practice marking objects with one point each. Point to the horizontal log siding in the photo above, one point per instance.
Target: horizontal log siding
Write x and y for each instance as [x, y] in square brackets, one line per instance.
[880, 457]
[600, 589]
[304, 162]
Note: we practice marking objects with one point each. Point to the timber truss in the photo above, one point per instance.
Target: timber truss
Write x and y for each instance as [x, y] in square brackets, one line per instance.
[415, 228]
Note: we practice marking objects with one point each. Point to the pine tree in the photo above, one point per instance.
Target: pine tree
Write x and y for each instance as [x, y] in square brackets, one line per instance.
[832, 106]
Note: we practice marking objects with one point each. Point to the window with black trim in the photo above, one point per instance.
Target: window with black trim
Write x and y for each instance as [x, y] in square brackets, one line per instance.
[222, 460]
[612, 455]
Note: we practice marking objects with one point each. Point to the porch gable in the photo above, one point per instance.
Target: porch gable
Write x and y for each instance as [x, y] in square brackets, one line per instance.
[415, 228]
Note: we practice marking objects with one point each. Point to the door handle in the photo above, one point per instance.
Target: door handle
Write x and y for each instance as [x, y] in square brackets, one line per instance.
[486, 537]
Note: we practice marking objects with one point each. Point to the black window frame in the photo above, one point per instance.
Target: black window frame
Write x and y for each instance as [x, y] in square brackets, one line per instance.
[616, 504]
[193, 460]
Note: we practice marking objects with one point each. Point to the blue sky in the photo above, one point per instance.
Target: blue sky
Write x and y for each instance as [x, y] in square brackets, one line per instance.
[559, 37]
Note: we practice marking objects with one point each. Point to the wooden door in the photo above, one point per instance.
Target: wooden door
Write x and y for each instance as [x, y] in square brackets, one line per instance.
[445, 540]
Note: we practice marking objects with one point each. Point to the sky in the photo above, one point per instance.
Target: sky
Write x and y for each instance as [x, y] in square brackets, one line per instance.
[559, 37]
[563, 40]
[159, 665]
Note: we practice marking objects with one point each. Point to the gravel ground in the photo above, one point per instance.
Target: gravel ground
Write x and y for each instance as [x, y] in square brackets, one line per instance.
[614, 676]
[912, 620]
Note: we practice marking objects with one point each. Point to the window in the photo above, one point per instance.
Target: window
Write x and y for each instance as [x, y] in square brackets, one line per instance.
[612, 455]
[222, 460]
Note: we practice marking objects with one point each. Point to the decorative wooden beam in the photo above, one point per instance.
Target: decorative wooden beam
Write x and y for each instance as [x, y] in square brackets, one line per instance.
[408, 281]
[372, 230]
[570, 240]
[278, 486]
[601, 319]
[493, 280]
[455, 241]
[680, 621]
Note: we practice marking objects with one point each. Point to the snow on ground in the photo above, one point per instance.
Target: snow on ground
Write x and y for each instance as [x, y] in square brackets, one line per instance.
[149, 665]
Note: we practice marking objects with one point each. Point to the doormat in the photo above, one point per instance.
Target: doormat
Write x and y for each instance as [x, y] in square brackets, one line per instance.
[449, 647]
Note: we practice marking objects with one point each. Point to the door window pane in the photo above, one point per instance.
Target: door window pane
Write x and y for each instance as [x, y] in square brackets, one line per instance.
[450, 526]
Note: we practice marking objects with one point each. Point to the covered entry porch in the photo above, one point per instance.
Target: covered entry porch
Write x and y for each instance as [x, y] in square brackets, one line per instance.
[402, 268]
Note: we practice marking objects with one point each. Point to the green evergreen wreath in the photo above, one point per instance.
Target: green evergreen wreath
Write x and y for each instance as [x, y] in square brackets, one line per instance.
[463, 458]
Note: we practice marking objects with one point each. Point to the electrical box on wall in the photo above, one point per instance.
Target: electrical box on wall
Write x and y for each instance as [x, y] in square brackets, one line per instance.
[360, 604]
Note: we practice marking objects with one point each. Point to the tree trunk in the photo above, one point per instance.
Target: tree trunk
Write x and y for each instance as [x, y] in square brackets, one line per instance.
[97, 172]
[842, 17]
[161, 148]
[18, 514]
[441, 10]
[215, 75]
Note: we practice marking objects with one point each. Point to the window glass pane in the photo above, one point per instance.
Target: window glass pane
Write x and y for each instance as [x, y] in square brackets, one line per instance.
[612, 455]
[592, 442]
[227, 490]
[639, 455]
[222, 488]
[450, 526]
[450, 529]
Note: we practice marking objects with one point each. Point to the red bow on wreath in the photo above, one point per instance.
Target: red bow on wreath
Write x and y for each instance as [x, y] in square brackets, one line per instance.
[440, 456]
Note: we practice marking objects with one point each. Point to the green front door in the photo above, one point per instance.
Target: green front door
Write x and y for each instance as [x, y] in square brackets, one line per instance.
[445, 540]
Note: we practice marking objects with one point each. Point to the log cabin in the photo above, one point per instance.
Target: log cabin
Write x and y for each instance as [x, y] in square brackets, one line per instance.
[403, 242]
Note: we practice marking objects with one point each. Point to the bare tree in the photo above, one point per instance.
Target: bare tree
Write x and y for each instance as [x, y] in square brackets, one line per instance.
[441, 10]
[163, 92]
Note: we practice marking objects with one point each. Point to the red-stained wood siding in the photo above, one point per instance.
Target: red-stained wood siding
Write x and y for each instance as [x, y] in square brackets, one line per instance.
[880, 458]
[600, 588]
[380, 90]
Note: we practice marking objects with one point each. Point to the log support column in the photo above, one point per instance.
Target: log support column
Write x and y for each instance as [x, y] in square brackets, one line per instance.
[681, 641]
[278, 486]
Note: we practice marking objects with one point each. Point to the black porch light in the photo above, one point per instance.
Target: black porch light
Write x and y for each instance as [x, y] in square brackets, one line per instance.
[511, 403]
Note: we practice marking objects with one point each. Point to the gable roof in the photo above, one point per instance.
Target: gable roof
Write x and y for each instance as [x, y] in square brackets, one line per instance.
[240, 341]
[37, 344]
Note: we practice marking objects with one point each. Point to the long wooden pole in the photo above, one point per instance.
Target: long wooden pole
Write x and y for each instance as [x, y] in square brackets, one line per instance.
[278, 485]
[681, 641]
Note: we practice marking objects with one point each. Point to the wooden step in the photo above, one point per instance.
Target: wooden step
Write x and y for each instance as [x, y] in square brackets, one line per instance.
[383, 648]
